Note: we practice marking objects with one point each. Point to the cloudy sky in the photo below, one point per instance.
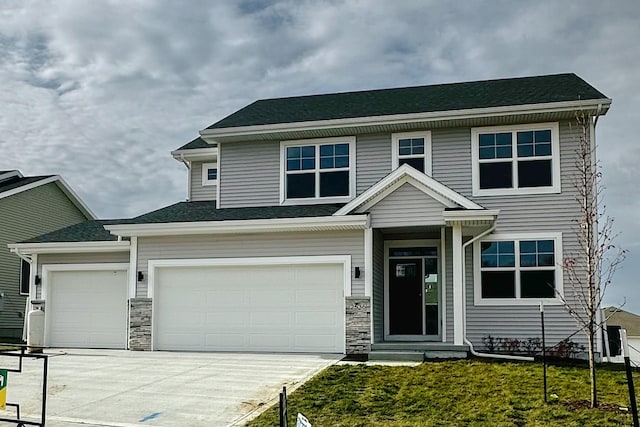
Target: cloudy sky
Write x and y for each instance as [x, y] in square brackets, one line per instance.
[101, 91]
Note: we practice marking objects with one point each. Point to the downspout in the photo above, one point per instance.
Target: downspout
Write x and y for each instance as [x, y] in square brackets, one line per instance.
[599, 318]
[464, 306]
[188, 165]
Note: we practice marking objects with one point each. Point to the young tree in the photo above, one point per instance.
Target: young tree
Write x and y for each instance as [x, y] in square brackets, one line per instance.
[590, 271]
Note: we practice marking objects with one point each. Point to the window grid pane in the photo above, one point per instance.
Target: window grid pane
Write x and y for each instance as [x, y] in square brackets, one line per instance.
[301, 158]
[212, 174]
[534, 143]
[411, 147]
[333, 156]
[495, 145]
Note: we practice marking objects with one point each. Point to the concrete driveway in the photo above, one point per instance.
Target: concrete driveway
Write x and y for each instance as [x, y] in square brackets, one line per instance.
[122, 388]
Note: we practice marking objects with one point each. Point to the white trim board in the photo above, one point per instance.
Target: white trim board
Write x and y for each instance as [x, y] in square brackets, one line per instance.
[351, 222]
[69, 247]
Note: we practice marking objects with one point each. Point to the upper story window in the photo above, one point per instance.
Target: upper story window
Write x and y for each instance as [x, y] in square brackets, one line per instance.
[209, 173]
[413, 148]
[518, 269]
[320, 170]
[523, 159]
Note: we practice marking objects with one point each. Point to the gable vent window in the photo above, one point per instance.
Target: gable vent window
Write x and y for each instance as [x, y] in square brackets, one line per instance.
[516, 160]
[209, 173]
[414, 149]
[318, 170]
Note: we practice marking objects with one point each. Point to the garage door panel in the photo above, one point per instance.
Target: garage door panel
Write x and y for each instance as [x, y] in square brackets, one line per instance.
[293, 308]
[87, 308]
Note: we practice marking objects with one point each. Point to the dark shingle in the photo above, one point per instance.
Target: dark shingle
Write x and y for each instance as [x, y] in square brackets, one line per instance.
[16, 182]
[206, 211]
[88, 231]
[418, 99]
[196, 143]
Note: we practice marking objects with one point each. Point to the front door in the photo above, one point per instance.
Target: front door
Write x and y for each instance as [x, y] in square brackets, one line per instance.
[413, 290]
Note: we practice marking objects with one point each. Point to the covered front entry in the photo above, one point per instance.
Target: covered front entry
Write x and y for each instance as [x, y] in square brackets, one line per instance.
[271, 304]
[413, 291]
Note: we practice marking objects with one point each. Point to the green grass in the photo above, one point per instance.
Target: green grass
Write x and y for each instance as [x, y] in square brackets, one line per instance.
[455, 393]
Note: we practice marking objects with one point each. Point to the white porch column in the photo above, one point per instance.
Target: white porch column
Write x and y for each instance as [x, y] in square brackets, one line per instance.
[458, 283]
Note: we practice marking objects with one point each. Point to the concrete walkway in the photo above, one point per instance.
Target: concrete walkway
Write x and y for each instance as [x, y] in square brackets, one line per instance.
[122, 388]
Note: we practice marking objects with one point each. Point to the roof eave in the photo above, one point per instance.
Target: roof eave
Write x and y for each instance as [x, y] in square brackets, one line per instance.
[324, 223]
[70, 247]
[195, 154]
[597, 106]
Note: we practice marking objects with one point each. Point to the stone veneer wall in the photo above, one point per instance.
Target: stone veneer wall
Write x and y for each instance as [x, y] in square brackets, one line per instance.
[140, 324]
[358, 318]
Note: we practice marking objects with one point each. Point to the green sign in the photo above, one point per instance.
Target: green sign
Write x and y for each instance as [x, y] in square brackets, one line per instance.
[3, 389]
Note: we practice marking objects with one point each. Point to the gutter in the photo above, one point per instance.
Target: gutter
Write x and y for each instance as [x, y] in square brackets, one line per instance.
[21, 249]
[464, 305]
[323, 223]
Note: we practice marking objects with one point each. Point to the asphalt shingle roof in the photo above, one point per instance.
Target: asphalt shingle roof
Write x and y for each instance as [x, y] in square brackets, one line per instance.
[418, 99]
[88, 231]
[624, 319]
[196, 143]
[206, 211]
[93, 231]
[16, 182]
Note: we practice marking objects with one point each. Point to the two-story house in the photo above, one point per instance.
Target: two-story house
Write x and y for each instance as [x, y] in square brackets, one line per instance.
[29, 206]
[417, 218]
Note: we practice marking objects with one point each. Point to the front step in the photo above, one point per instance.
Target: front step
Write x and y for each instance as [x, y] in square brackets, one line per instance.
[396, 356]
[417, 351]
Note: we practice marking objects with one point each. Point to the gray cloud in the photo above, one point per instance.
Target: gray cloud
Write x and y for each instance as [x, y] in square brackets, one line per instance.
[100, 92]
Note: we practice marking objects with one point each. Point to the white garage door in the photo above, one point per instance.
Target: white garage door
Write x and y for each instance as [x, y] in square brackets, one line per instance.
[280, 308]
[87, 309]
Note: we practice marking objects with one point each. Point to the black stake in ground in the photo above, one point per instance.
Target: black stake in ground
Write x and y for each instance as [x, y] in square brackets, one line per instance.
[544, 352]
[284, 413]
[627, 365]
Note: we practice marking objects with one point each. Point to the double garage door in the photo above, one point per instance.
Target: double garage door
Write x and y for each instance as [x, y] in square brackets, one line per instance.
[277, 308]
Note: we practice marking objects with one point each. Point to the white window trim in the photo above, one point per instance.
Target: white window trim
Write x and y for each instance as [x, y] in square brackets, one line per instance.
[555, 160]
[351, 140]
[395, 152]
[517, 237]
[205, 174]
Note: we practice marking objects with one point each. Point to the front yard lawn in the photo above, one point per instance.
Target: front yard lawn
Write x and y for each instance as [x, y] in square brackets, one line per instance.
[456, 393]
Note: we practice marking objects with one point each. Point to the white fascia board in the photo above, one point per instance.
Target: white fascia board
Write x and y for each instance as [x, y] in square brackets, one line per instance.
[351, 222]
[196, 154]
[599, 105]
[407, 174]
[10, 174]
[69, 247]
[471, 215]
[75, 199]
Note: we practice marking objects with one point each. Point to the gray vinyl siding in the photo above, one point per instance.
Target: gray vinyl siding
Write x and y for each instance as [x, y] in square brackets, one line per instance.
[451, 158]
[373, 160]
[79, 258]
[518, 213]
[249, 174]
[406, 206]
[23, 216]
[200, 192]
[254, 245]
[377, 309]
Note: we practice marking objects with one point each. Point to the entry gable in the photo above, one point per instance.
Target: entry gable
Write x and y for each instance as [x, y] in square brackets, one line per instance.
[412, 186]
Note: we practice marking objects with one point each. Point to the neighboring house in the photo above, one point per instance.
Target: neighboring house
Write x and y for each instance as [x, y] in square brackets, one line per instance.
[29, 206]
[418, 218]
[621, 319]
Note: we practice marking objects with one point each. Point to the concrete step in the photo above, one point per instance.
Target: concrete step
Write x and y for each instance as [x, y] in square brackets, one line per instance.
[417, 346]
[445, 354]
[403, 356]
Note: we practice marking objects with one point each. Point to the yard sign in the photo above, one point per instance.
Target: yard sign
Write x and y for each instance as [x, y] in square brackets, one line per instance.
[3, 389]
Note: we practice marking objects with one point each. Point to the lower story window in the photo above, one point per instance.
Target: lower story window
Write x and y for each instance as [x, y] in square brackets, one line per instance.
[519, 268]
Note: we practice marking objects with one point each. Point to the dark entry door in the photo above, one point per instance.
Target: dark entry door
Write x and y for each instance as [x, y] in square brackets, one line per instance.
[405, 296]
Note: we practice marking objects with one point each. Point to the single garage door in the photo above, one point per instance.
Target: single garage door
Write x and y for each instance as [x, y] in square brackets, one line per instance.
[87, 309]
[279, 308]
